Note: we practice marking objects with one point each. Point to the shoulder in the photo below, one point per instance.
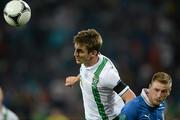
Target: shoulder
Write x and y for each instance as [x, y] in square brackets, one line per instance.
[109, 77]
[133, 103]
[130, 110]
[127, 109]
[11, 115]
[109, 68]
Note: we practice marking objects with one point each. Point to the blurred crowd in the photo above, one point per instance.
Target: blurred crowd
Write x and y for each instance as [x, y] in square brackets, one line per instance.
[140, 36]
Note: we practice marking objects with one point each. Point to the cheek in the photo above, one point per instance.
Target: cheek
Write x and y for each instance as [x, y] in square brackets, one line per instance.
[153, 94]
[164, 95]
[83, 57]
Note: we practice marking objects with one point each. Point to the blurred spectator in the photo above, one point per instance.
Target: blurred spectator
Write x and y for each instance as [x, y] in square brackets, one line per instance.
[56, 114]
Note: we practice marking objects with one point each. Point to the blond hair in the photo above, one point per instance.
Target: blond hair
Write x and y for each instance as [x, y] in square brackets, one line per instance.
[162, 77]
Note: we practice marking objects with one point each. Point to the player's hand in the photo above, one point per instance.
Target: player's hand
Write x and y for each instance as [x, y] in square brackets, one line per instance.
[71, 80]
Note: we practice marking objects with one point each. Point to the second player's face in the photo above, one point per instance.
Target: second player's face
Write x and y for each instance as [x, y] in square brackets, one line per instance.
[158, 92]
[81, 54]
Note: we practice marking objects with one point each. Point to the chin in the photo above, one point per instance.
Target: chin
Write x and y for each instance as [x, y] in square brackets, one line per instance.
[157, 103]
[78, 62]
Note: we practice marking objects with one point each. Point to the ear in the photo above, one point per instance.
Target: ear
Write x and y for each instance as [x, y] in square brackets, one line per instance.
[169, 92]
[150, 85]
[94, 52]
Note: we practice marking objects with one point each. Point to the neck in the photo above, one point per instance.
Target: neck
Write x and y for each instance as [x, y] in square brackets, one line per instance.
[92, 61]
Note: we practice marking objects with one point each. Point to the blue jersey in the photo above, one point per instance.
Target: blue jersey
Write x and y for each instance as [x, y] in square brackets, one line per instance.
[139, 109]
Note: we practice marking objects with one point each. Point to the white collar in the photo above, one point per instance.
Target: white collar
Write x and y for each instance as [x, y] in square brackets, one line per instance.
[145, 97]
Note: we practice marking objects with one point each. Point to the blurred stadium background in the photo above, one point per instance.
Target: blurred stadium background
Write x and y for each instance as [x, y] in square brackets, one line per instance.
[140, 36]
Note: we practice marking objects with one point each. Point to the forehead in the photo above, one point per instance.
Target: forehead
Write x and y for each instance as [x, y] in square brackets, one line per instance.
[161, 86]
[80, 46]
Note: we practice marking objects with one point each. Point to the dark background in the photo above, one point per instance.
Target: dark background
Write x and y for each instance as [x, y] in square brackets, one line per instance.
[141, 37]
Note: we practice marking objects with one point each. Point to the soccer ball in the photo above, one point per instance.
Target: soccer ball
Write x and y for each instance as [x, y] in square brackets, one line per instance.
[17, 13]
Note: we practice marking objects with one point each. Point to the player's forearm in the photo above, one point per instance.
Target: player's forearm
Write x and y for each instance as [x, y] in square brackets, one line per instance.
[78, 77]
[128, 95]
[71, 80]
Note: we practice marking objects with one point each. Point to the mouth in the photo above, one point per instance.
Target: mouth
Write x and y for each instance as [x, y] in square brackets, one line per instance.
[77, 59]
[158, 101]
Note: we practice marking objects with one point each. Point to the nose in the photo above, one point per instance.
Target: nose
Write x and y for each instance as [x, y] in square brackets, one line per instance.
[75, 53]
[159, 94]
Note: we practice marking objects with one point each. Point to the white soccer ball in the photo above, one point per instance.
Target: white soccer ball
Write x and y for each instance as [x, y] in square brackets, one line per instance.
[17, 13]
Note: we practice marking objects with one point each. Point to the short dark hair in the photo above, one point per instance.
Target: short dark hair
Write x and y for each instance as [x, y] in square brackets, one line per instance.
[91, 38]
